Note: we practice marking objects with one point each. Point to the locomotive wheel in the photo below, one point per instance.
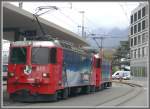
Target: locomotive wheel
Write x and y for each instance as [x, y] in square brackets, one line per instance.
[97, 89]
[87, 89]
[110, 84]
[105, 85]
[93, 88]
[102, 87]
[65, 93]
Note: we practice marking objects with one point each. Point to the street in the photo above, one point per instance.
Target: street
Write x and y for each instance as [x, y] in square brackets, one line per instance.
[121, 95]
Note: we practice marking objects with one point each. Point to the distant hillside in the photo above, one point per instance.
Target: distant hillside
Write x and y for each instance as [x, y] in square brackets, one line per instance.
[110, 42]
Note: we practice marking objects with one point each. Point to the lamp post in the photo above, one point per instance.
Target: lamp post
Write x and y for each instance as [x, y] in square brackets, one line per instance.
[78, 29]
[82, 12]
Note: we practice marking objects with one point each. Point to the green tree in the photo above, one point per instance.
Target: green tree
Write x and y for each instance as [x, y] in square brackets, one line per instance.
[121, 52]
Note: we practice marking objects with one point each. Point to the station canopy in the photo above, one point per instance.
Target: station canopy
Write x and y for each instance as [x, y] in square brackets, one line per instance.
[15, 17]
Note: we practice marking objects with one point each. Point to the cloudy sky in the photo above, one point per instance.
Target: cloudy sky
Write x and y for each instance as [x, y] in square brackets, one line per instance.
[97, 14]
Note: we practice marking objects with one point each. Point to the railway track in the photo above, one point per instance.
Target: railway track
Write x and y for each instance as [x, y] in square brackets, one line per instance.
[121, 99]
[117, 100]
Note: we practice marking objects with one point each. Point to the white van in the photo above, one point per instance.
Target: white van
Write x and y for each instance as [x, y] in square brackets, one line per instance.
[121, 74]
[126, 75]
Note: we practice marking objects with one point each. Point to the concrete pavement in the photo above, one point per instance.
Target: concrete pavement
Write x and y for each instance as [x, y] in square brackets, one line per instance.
[142, 99]
[117, 93]
[142, 81]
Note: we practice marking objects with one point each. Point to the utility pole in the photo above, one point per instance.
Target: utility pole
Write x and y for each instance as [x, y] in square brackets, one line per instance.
[101, 44]
[82, 12]
[102, 39]
[97, 38]
[79, 29]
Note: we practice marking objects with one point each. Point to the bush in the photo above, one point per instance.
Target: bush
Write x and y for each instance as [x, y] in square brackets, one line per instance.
[114, 69]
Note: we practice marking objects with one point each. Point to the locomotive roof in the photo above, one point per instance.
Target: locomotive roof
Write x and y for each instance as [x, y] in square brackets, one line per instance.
[36, 43]
[55, 43]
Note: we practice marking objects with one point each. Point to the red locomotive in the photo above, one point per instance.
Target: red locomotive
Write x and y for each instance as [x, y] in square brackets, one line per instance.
[49, 70]
[103, 71]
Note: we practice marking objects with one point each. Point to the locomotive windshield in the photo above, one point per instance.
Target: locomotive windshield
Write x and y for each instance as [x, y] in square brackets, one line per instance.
[18, 55]
[43, 55]
[40, 55]
[98, 63]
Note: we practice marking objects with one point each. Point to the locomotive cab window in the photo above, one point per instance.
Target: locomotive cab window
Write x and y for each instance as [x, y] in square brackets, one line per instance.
[98, 63]
[53, 55]
[18, 55]
[40, 55]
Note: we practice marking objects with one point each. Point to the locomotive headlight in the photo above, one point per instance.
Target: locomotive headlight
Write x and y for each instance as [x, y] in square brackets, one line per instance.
[11, 74]
[45, 75]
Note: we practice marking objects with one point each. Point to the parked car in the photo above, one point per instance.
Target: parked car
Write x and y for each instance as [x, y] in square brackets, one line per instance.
[5, 69]
[121, 74]
[116, 75]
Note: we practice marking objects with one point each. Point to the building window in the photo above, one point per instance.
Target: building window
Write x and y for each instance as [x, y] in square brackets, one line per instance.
[135, 41]
[143, 38]
[139, 52]
[143, 51]
[134, 71]
[135, 29]
[143, 24]
[132, 30]
[139, 14]
[131, 42]
[135, 17]
[139, 27]
[146, 36]
[131, 19]
[143, 11]
[139, 39]
[144, 71]
[131, 54]
[134, 53]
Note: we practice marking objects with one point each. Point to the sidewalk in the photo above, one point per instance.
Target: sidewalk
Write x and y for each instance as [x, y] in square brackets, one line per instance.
[143, 81]
[139, 80]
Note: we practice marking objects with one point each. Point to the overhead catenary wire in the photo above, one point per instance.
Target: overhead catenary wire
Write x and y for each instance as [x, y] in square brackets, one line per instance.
[62, 20]
[88, 31]
[41, 28]
[38, 9]
[49, 9]
[72, 9]
[77, 24]
[75, 10]
[68, 17]
[101, 38]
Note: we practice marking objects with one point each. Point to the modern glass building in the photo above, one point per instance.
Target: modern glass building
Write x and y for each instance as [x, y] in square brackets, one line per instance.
[139, 40]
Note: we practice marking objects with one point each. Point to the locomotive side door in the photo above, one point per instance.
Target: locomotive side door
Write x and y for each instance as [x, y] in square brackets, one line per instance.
[98, 72]
[59, 68]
